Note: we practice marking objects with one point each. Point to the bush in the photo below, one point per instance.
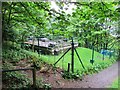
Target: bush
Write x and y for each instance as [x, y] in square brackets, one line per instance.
[70, 75]
[15, 53]
[12, 55]
[14, 79]
[95, 68]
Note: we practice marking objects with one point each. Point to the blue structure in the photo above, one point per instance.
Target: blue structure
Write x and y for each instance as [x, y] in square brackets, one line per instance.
[107, 52]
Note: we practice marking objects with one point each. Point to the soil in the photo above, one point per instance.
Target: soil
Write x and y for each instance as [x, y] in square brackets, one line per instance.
[103, 79]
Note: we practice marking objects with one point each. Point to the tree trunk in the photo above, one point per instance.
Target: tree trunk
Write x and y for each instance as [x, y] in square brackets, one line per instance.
[86, 43]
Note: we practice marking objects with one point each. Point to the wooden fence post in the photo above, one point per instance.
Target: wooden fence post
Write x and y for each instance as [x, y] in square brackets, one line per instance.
[68, 67]
[34, 76]
[33, 72]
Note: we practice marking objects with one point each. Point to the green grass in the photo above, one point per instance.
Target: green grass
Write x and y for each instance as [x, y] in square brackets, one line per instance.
[116, 83]
[85, 55]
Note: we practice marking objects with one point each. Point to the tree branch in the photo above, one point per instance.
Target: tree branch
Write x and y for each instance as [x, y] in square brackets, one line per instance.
[39, 23]
[10, 10]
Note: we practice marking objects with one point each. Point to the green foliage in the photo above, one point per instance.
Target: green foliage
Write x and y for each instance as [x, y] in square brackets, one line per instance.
[13, 55]
[24, 18]
[98, 65]
[95, 68]
[34, 58]
[70, 75]
[18, 79]
[116, 83]
[36, 62]
[87, 22]
[41, 84]
[13, 80]
[6, 65]
[47, 86]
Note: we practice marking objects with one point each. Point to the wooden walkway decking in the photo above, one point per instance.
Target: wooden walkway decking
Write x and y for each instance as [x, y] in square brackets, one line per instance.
[44, 46]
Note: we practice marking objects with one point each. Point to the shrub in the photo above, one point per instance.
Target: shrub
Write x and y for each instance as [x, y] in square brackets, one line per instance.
[12, 55]
[70, 75]
[14, 79]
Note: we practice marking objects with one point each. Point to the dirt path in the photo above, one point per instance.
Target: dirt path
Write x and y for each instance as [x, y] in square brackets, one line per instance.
[102, 79]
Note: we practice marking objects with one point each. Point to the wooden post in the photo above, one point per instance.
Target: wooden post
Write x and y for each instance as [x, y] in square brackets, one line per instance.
[68, 67]
[38, 46]
[33, 47]
[34, 76]
[24, 69]
[33, 72]
[92, 61]
[72, 61]
[103, 51]
[93, 53]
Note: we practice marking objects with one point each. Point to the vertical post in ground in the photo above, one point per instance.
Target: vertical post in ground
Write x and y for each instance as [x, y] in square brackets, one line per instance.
[72, 61]
[68, 67]
[92, 60]
[34, 76]
[103, 51]
[38, 46]
[93, 53]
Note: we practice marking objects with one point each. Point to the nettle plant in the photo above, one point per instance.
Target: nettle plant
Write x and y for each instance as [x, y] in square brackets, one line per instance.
[70, 75]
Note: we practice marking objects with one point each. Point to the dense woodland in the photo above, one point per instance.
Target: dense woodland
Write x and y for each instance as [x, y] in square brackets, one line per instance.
[92, 23]
[89, 22]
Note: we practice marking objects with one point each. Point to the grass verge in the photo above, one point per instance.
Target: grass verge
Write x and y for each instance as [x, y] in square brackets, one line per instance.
[116, 83]
[85, 55]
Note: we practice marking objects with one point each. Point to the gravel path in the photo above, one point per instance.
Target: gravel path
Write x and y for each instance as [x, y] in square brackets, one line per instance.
[102, 79]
